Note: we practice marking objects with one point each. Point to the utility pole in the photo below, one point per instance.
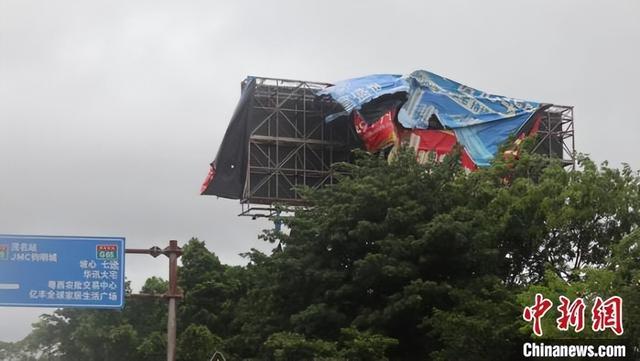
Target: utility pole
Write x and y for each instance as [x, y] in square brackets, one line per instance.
[173, 252]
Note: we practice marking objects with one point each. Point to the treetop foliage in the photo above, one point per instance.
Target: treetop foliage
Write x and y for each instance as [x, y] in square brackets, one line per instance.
[396, 261]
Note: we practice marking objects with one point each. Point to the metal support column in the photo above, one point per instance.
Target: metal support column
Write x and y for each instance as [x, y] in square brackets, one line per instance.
[173, 252]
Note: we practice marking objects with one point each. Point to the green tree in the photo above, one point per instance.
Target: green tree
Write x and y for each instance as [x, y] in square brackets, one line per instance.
[97, 335]
[435, 258]
[397, 261]
[196, 342]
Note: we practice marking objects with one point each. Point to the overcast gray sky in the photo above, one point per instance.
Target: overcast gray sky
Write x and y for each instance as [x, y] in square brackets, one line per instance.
[110, 110]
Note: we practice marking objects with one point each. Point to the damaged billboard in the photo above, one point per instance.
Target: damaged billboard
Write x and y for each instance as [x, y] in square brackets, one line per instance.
[287, 133]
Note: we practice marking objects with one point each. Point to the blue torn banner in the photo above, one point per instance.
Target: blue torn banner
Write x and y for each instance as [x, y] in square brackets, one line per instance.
[481, 121]
[353, 93]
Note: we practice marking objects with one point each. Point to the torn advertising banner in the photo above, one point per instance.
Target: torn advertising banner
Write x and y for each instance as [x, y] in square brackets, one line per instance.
[353, 93]
[434, 145]
[456, 105]
[378, 135]
[480, 121]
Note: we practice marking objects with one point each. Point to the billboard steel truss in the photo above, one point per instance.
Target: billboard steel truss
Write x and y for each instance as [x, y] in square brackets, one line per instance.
[556, 134]
[291, 146]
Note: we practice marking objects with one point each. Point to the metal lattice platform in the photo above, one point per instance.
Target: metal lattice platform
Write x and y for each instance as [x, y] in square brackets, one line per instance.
[291, 146]
[556, 134]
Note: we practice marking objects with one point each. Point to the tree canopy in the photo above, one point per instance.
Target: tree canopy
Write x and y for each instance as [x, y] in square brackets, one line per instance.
[396, 261]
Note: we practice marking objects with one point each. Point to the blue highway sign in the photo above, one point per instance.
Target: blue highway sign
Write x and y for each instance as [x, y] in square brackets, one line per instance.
[48, 271]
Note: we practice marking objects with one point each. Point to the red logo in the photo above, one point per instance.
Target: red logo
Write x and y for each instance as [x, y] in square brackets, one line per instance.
[536, 312]
[571, 314]
[605, 314]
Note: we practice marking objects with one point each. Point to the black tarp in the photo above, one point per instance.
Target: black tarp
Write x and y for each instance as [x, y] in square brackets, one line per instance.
[230, 165]
[376, 108]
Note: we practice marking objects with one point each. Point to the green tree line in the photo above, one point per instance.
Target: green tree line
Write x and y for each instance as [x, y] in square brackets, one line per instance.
[396, 261]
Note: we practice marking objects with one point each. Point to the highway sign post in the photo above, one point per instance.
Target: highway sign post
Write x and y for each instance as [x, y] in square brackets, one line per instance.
[48, 271]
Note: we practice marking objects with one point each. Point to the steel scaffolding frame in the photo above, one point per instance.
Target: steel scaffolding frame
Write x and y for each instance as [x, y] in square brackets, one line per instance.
[291, 146]
[556, 134]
